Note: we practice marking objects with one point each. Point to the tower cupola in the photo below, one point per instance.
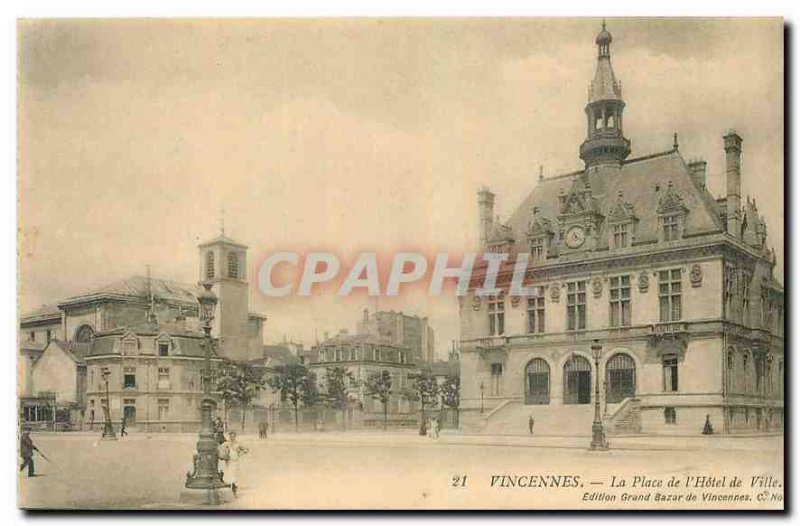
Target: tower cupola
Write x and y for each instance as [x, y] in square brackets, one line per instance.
[605, 143]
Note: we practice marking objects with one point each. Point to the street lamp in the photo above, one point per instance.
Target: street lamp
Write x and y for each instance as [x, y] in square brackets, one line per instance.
[108, 429]
[482, 387]
[598, 435]
[206, 474]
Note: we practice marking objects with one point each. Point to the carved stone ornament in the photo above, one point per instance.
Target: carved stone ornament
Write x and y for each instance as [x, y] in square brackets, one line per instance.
[644, 281]
[555, 292]
[476, 303]
[696, 275]
[597, 287]
[514, 301]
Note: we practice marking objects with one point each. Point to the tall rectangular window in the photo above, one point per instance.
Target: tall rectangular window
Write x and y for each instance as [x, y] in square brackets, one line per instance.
[669, 294]
[620, 235]
[163, 378]
[163, 348]
[670, 367]
[671, 227]
[497, 316]
[576, 305]
[129, 378]
[536, 312]
[620, 301]
[537, 249]
[49, 335]
[163, 408]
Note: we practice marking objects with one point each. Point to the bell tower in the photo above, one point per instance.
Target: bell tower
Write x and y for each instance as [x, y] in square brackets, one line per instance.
[223, 263]
[605, 143]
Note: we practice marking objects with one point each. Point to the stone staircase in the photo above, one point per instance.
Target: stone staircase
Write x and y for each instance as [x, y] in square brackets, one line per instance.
[511, 418]
[625, 419]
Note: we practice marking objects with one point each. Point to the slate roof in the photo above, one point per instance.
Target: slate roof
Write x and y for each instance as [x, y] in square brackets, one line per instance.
[605, 85]
[637, 181]
[187, 342]
[43, 313]
[139, 287]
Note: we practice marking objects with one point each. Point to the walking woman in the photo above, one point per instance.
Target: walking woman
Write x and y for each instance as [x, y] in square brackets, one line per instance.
[231, 452]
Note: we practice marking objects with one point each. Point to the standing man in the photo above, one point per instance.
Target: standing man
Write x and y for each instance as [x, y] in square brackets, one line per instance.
[26, 449]
[231, 452]
[530, 424]
[122, 431]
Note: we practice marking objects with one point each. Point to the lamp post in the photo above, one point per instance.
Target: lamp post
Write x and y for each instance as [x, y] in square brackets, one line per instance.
[108, 429]
[598, 435]
[206, 474]
[482, 387]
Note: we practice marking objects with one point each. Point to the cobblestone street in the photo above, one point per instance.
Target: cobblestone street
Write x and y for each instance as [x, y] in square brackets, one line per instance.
[399, 470]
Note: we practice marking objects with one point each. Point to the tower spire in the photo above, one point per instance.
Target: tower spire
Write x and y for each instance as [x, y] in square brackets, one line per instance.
[605, 143]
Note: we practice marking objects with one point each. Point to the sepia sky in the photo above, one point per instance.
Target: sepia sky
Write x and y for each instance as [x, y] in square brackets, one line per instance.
[348, 135]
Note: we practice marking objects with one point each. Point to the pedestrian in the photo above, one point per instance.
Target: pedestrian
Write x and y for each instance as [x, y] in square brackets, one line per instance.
[435, 428]
[708, 429]
[122, 429]
[262, 430]
[231, 452]
[530, 424]
[26, 449]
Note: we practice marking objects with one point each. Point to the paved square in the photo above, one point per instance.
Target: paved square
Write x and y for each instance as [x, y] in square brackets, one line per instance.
[396, 470]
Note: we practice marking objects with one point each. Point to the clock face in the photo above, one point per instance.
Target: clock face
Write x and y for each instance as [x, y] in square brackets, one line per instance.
[575, 237]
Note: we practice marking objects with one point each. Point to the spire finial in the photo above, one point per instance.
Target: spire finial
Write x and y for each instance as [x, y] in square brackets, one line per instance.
[222, 221]
[541, 172]
[675, 140]
[604, 24]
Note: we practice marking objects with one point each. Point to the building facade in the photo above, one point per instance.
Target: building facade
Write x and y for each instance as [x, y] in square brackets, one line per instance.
[412, 332]
[145, 333]
[363, 355]
[636, 254]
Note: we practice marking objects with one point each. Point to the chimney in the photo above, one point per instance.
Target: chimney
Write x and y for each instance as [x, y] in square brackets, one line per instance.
[486, 214]
[697, 169]
[733, 178]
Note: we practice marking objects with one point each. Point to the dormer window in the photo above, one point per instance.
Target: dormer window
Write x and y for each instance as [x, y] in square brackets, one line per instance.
[670, 227]
[621, 235]
[163, 348]
[538, 249]
[671, 214]
[621, 220]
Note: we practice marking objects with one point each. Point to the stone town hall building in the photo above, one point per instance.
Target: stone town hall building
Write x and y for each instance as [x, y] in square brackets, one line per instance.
[675, 284]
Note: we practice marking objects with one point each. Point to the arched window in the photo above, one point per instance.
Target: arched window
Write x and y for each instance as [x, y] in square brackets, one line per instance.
[84, 334]
[577, 380]
[210, 265]
[611, 122]
[669, 415]
[537, 382]
[233, 265]
[620, 378]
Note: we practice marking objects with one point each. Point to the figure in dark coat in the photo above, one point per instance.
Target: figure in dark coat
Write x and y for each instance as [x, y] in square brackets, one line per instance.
[530, 424]
[123, 425]
[708, 429]
[26, 449]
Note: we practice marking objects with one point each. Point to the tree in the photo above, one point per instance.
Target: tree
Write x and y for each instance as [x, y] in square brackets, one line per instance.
[451, 393]
[296, 384]
[337, 380]
[424, 390]
[239, 383]
[379, 387]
